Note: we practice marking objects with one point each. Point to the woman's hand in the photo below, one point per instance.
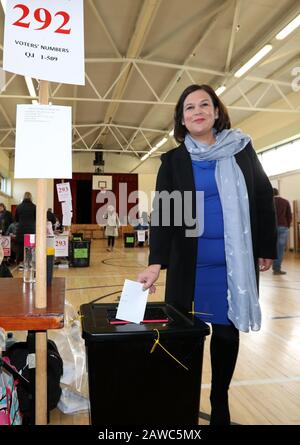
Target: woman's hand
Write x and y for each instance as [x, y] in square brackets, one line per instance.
[264, 264]
[149, 276]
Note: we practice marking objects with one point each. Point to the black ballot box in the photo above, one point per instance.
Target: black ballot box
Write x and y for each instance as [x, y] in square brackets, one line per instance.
[129, 385]
[80, 253]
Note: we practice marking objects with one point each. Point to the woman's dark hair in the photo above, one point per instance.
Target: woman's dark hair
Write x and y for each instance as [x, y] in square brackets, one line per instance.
[222, 122]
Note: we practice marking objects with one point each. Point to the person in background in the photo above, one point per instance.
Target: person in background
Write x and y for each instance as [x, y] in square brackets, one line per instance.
[112, 226]
[51, 217]
[213, 274]
[58, 227]
[25, 216]
[12, 229]
[5, 218]
[284, 219]
[142, 225]
[12, 232]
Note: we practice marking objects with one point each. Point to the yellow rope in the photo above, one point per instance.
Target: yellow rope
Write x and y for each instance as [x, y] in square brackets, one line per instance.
[202, 313]
[194, 312]
[159, 344]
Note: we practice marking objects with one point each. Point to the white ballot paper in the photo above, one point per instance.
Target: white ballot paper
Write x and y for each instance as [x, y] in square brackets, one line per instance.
[133, 302]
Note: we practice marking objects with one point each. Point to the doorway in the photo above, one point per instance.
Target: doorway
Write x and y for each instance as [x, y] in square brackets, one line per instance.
[84, 202]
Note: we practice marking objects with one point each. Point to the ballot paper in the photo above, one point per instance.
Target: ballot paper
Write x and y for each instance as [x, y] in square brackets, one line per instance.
[133, 302]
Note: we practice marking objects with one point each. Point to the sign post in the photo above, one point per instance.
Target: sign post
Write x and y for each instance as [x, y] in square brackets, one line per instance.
[41, 287]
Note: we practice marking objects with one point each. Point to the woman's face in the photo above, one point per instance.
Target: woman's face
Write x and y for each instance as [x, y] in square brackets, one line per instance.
[199, 114]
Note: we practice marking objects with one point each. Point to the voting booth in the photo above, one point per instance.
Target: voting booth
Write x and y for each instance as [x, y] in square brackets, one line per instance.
[129, 384]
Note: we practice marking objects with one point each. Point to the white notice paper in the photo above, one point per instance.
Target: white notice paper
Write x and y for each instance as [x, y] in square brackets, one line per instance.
[64, 192]
[43, 142]
[61, 245]
[45, 40]
[133, 302]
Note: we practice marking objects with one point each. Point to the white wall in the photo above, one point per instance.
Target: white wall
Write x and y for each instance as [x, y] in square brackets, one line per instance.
[20, 186]
[4, 163]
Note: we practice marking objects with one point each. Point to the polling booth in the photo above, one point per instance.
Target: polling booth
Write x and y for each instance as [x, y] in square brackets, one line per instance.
[147, 373]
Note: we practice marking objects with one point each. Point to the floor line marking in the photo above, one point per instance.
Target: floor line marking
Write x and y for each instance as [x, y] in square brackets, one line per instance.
[258, 381]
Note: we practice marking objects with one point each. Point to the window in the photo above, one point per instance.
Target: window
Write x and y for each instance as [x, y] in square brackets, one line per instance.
[5, 185]
[282, 159]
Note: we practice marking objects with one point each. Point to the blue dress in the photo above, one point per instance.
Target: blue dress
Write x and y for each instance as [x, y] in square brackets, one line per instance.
[211, 277]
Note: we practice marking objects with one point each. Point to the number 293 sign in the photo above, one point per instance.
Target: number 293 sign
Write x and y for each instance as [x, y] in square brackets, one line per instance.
[44, 39]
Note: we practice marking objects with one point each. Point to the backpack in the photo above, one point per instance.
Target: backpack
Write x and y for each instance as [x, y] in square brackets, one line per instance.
[9, 404]
[4, 271]
[18, 353]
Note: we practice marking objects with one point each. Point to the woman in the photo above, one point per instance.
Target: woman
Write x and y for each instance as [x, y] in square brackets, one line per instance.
[111, 229]
[217, 270]
[25, 217]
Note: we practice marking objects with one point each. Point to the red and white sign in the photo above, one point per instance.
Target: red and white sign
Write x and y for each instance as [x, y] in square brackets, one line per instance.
[5, 243]
[44, 39]
[29, 240]
[61, 245]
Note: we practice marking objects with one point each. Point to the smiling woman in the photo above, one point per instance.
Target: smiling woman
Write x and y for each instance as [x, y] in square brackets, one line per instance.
[214, 275]
[197, 112]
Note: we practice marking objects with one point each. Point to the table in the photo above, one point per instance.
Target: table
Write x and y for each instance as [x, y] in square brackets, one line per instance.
[18, 313]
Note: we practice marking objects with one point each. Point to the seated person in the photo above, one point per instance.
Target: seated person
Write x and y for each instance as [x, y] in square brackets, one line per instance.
[142, 225]
[12, 231]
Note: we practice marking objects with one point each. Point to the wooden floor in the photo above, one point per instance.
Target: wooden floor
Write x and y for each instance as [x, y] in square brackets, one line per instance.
[266, 385]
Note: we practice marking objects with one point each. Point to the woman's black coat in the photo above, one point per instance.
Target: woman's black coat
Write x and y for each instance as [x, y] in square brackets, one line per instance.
[25, 216]
[170, 247]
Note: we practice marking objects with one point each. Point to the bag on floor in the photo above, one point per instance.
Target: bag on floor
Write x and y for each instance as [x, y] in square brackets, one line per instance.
[9, 403]
[4, 271]
[18, 355]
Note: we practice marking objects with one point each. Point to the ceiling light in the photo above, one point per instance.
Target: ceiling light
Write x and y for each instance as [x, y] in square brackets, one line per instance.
[30, 86]
[3, 3]
[255, 59]
[161, 142]
[288, 28]
[145, 157]
[220, 90]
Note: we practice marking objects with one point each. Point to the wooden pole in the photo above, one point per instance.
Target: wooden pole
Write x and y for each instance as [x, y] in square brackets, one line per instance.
[41, 285]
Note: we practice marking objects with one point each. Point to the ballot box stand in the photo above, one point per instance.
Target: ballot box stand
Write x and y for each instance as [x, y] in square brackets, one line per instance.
[129, 385]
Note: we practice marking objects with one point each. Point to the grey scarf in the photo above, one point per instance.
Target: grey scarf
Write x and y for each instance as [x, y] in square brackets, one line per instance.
[243, 306]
